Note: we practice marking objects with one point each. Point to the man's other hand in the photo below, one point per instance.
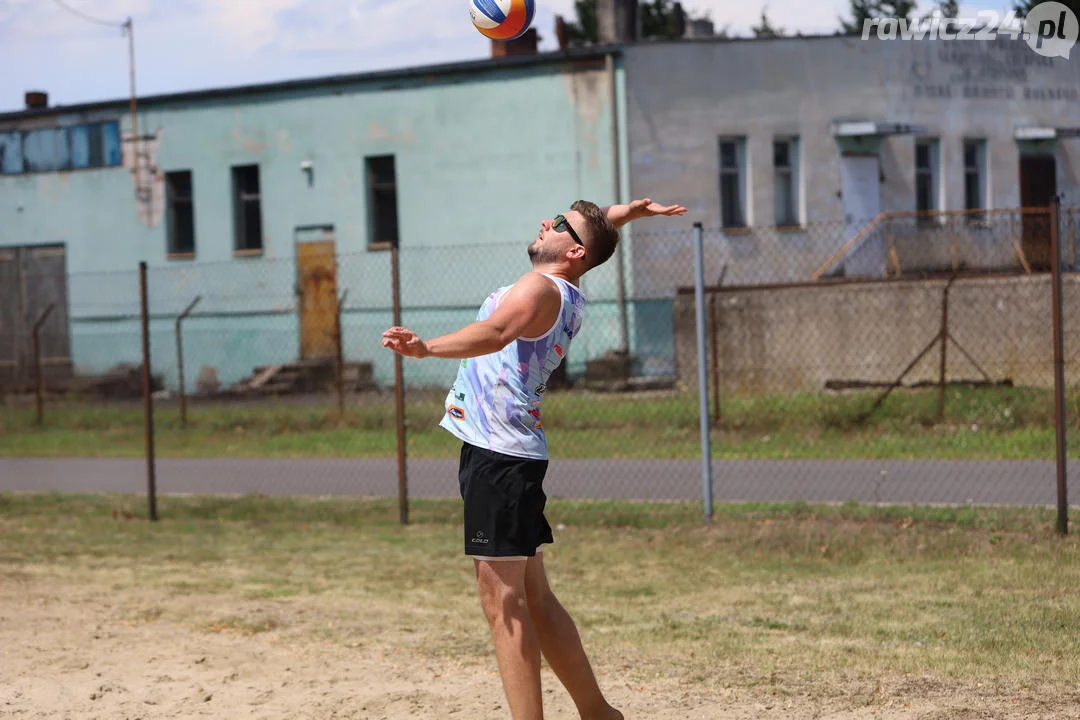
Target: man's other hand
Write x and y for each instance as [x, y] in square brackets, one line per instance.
[404, 342]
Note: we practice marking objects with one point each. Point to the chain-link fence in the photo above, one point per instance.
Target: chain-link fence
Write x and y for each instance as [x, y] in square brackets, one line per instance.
[915, 366]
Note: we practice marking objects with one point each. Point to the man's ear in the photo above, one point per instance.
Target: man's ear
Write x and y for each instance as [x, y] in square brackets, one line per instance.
[576, 252]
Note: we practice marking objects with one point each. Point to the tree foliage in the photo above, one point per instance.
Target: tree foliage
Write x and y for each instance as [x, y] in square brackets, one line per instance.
[863, 10]
[657, 21]
[1023, 8]
[949, 8]
[587, 28]
[766, 29]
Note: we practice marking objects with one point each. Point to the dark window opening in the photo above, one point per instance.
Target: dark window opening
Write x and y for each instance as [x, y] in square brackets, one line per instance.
[181, 213]
[382, 199]
[925, 181]
[247, 207]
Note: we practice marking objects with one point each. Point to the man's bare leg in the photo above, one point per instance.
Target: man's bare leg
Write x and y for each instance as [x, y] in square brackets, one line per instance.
[561, 645]
[502, 595]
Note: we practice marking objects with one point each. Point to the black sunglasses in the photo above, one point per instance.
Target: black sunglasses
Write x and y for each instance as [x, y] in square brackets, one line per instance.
[559, 224]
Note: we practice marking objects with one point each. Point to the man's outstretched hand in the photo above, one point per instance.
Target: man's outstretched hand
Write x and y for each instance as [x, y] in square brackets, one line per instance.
[647, 208]
[404, 342]
[619, 215]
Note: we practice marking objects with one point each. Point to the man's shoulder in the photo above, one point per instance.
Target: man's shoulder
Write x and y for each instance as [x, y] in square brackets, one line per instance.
[539, 284]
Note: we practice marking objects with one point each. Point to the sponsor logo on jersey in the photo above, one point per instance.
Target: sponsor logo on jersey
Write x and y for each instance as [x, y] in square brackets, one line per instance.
[540, 390]
[559, 350]
[455, 412]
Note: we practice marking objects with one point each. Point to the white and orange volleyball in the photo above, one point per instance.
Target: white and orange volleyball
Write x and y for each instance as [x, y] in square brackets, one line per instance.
[502, 19]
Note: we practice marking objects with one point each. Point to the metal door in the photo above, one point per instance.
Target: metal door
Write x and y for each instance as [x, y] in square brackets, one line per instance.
[860, 188]
[1038, 185]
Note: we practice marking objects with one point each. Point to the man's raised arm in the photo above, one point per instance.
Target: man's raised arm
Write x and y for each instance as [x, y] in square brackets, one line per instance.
[620, 215]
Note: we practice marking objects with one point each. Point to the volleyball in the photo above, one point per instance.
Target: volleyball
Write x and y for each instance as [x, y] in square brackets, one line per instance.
[502, 19]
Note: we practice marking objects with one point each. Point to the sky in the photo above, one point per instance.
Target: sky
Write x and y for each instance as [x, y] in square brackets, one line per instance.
[183, 45]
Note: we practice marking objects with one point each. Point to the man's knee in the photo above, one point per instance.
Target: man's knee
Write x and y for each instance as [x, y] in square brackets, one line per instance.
[499, 598]
[542, 601]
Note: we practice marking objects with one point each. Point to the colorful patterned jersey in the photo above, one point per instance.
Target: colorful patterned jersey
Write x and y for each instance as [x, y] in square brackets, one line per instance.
[495, 400]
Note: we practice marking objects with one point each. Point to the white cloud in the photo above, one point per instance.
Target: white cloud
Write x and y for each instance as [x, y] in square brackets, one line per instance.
[247, 25]
[26, 21]
[361, 25]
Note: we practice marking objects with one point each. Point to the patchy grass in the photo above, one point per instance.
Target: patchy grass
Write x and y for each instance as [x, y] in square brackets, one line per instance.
[986, 423]
[793, 599]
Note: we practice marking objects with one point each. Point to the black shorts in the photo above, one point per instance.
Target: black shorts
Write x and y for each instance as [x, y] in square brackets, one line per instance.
[504, 503]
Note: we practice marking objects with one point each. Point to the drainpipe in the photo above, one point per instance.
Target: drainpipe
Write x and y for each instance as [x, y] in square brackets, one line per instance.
[620, 279]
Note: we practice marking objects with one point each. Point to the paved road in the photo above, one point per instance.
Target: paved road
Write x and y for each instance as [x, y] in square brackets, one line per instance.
[887, 481]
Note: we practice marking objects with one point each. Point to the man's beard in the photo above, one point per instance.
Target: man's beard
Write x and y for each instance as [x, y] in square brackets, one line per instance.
[541, 256]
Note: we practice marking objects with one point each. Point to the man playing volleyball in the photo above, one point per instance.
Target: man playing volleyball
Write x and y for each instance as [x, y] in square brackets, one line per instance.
[522, 333]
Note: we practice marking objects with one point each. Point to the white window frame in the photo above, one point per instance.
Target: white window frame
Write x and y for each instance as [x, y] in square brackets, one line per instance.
[794, 188]
[934, 173]
[980, 171]
[738, 172]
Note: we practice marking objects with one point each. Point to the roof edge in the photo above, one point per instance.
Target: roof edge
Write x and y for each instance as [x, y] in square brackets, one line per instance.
[516, 61]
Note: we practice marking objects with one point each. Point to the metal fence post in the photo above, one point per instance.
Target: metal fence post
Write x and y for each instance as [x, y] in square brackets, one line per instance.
[1059, 368]
[714, 370]
[148, 400]
[399, 391]
[703, 371]
[942, 369]
[38, 374]
[180, 359]
[339, 357]
[713, 338]
[620, 263]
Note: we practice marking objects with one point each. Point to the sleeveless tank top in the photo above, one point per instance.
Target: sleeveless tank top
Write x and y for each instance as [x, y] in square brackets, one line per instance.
[495, 400]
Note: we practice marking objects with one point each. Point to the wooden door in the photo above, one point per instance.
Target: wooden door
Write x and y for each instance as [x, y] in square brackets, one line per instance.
[33, 278]
[12, 335]
[45, 270]
[1038, 185]
[316, 269]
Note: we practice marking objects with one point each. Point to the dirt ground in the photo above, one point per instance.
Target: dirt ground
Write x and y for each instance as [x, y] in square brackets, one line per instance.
[79, 650]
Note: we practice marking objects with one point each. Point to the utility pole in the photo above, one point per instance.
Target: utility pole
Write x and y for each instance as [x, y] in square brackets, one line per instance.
[142, 195]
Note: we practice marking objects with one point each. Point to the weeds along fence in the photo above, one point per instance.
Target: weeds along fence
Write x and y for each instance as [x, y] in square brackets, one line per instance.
[907, 358]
